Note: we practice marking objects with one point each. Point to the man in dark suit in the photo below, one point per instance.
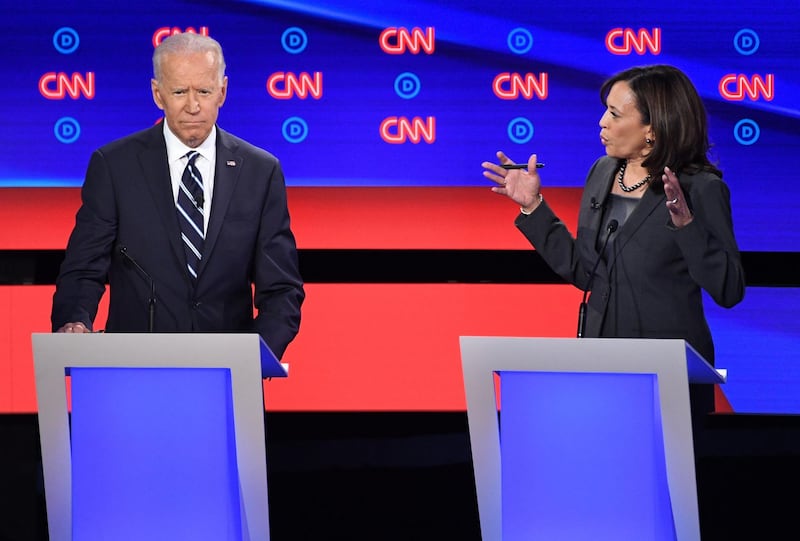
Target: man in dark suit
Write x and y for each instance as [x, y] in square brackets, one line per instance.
[186, 243]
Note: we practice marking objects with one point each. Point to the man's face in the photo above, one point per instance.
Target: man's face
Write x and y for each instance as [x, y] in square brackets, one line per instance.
[190, 93]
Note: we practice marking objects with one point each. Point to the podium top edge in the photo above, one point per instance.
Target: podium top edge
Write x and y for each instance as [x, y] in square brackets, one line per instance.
[155, 350]
[509, 353]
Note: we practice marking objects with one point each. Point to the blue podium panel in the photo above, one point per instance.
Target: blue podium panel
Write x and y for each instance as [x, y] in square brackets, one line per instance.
[154, 455]
[583, 457]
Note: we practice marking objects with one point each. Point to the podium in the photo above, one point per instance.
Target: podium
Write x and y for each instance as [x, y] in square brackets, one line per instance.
[165, 438]
[583, 439]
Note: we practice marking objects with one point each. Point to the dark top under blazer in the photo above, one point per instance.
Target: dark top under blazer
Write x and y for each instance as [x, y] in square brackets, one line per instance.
[249, 255]
[651, 285]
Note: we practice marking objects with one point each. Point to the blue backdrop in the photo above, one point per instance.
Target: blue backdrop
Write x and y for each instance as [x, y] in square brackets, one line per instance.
[423, 71]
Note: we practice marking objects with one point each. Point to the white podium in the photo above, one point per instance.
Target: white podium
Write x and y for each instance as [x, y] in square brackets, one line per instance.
[165, 438]
[583, 439]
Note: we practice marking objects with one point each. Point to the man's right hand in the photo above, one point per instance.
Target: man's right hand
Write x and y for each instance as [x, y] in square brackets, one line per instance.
[76, 326]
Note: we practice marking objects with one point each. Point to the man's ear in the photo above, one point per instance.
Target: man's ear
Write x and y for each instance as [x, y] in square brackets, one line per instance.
[223, 91]
[156, 94]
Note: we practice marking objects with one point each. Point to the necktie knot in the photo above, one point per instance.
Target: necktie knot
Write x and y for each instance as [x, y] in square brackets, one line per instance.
[192, 155]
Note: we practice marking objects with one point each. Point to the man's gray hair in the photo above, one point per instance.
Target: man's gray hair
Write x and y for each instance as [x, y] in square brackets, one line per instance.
[187, 43]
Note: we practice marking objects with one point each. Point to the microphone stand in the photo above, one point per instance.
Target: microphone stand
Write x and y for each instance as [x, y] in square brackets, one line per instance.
[151, 307]
[151, 302]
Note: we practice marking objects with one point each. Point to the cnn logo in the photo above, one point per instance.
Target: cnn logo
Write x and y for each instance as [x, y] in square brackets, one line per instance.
[624, 41]
[164, 32]
[286, 85]
[510, 86]
[57, 86]
[398, 130]
[395, 40]
[735, 87]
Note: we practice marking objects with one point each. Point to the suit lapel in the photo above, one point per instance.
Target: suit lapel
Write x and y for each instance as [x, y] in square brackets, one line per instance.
[226, 175]
[596, 194]
[155, 172]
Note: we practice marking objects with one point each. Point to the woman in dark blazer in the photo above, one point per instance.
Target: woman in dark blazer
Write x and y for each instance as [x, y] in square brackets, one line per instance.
[655, 219]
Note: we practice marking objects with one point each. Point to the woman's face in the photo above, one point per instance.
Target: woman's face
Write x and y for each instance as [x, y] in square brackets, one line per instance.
[621, 128]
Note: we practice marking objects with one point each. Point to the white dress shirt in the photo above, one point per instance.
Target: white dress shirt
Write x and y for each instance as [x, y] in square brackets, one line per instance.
[176, 157]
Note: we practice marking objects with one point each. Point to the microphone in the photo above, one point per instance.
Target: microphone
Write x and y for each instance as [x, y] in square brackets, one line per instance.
[610, 228]
[595, 204]
[151, 302]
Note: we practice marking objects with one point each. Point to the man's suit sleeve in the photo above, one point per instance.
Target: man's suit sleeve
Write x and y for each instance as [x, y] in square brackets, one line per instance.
[278, 285]
[83, 275]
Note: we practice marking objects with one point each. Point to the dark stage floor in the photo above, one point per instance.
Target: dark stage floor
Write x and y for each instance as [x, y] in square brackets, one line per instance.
[387, 476]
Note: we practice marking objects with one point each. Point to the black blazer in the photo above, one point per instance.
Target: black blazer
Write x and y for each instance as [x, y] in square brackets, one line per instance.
[650, 286]
[250, 254]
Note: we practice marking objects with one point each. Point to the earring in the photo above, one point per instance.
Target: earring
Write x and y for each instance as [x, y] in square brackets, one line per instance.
[648, 141]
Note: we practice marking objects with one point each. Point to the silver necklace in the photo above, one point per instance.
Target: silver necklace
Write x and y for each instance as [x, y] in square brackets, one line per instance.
[636, 186]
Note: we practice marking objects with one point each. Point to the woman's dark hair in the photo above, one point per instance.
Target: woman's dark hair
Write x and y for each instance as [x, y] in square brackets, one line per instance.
[670, 104]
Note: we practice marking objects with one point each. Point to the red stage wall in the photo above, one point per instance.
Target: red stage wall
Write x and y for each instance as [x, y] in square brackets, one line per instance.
[361, 346]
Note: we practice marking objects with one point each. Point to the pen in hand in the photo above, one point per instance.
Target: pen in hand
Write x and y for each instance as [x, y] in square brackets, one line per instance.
[520, 165]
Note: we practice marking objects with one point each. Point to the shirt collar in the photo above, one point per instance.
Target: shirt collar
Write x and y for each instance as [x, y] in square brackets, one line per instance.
[176, 149]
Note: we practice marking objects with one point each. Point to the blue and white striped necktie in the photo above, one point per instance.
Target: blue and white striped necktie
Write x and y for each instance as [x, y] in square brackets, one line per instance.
[190, 213]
